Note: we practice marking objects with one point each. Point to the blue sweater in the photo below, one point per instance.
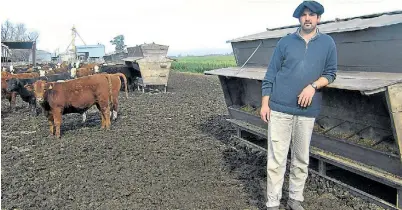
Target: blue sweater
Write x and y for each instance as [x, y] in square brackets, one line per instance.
[293, 66]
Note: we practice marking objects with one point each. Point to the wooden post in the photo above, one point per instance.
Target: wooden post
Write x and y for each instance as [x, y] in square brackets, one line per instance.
[394, 101]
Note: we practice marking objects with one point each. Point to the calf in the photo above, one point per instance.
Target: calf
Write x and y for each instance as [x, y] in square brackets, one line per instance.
[23, 75]
[82, 72]
[18, 86]
[11, 96]
[74, 96]
[116, 86]
[30, 81]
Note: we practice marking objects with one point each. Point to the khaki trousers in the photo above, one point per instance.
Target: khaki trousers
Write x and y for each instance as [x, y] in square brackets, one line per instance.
[284, 129]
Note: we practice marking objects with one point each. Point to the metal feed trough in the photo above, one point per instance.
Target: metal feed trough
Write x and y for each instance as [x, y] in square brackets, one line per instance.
[151, 61]
[360, 125]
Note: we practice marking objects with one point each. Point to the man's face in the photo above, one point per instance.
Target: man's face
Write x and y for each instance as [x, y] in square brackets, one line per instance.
[309, 20]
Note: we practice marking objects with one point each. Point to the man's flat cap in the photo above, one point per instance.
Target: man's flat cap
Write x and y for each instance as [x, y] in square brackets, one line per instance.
[311, 5]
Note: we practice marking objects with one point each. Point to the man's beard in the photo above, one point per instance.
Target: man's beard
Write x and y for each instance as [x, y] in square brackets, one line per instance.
[308, 30]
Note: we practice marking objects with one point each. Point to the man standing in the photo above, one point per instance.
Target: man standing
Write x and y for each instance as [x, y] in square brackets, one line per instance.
[302, 63]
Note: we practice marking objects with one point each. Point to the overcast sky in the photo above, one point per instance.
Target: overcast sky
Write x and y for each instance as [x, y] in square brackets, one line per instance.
[185, 25]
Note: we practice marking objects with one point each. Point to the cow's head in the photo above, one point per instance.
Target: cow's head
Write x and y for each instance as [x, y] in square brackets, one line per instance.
[13, 84]
[40, 87]
[4, 74]
[42, 73]
[29, 87]
[96, 69]
[73, 72]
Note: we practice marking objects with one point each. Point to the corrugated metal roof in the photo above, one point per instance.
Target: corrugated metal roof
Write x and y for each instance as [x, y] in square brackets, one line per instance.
[19, 45]
[347, 24]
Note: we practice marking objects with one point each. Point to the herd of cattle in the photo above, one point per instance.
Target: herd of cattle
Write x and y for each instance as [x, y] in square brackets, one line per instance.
[62, 89]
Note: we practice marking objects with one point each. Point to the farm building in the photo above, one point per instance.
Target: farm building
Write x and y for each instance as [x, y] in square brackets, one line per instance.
[20, 52]
[360, 125]
[90, 52]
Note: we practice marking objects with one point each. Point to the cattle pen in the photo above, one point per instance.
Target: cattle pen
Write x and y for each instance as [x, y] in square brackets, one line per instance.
[359, 129]
[201, 144]
[157, 155]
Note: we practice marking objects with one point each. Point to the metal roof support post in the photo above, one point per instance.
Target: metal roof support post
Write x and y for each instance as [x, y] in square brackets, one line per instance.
[34, 54]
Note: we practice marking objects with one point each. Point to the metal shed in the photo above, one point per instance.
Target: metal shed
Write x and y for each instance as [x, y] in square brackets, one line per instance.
[360, 125]
[91, 52]
[152, 62]
[23, 45]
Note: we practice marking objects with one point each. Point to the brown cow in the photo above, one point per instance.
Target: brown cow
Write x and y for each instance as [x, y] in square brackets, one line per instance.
[116, 86]
[23, 75]
[89, 65]
[82, 72]
[74, 96]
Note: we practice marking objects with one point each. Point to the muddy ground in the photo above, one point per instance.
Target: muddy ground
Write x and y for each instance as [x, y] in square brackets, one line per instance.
[166, 151]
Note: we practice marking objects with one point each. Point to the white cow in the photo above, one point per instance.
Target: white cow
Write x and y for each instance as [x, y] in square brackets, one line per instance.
[42, 73]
